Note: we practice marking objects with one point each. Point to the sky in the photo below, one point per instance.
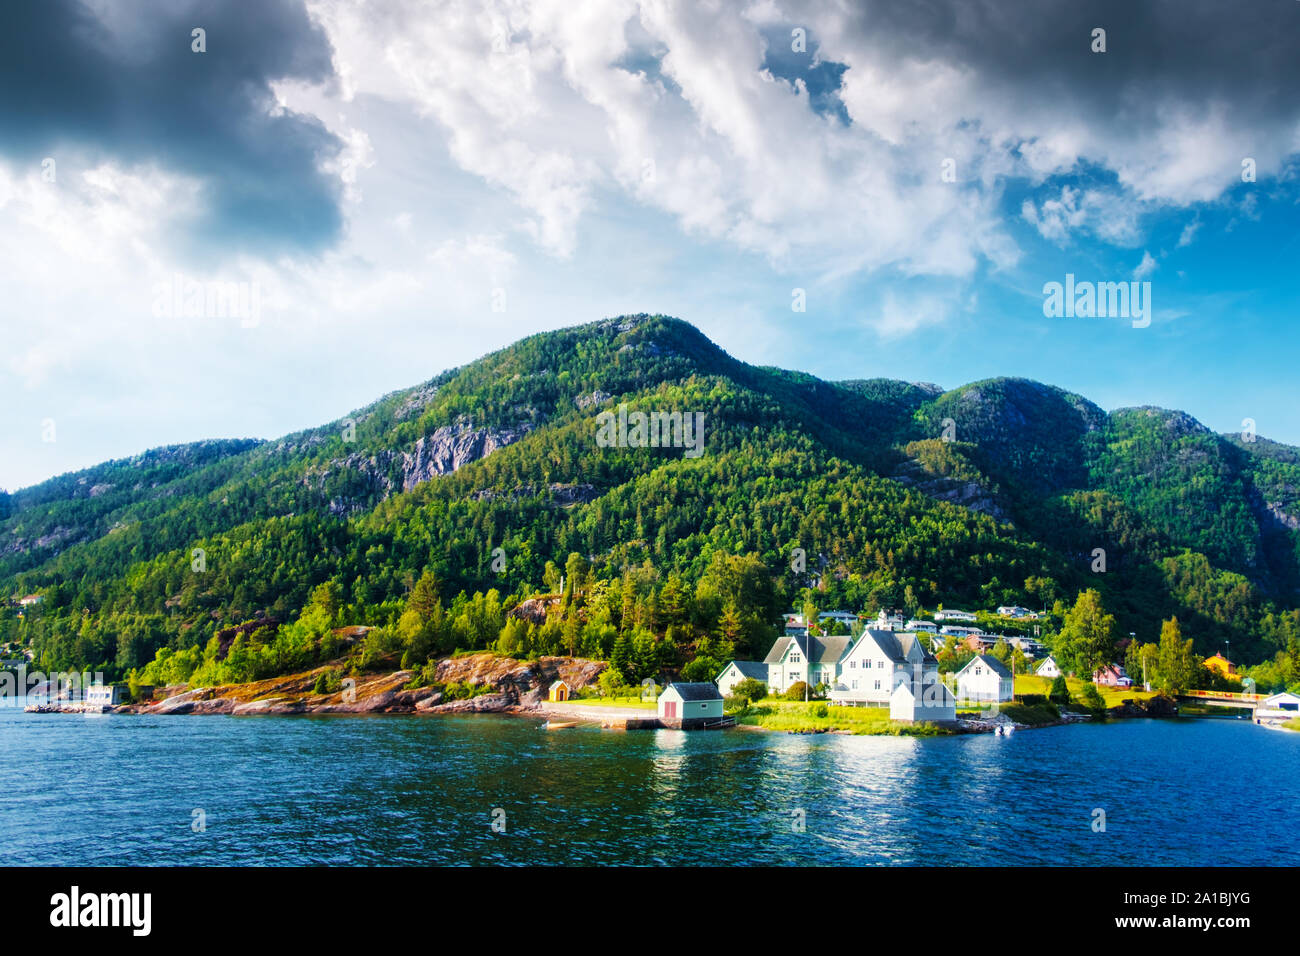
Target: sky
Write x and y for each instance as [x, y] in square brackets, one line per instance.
[856, 190]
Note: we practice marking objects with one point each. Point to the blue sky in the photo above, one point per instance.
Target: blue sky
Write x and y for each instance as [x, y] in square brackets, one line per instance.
[379, 178]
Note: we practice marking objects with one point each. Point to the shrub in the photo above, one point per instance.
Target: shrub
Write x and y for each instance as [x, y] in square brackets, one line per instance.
[328, 681]
[798, 691]
[611, 682]
[1060, 691]
[821, 710]
[1093, 700]
[750, 689]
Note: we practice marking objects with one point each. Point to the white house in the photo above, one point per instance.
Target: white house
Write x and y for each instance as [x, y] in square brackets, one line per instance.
[953, 615]
[915, 625]
[889, 621]
[105, 695]
[985, 678]
[30, 600]
[1015, 610]
[1048, 668]
[737, 671]
[799, 657]
[690, 706]
[886, 669]
[1278, 707]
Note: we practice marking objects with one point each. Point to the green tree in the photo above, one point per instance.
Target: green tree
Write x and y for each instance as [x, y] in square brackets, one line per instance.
[1087, 639]
[1177, 661]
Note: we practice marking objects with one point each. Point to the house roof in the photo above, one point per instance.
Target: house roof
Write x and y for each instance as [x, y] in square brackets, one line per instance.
[992, 663]
[754, 670]
[824, 649]
[897, 646]
[704, 691]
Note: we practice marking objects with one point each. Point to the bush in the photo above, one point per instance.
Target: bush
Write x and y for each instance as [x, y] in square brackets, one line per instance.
[750, 689]
[1060, 691]
[798, 691]
[821, 710]
[328, 681]
[736, 704]
[1093, 700]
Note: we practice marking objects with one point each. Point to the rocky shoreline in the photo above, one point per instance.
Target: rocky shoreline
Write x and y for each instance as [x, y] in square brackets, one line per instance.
[513, 686]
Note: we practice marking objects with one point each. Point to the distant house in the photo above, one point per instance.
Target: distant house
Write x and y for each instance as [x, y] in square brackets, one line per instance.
[1221, 665]
[106, 695]
[797, 658]
[887, 669]
[957, 630]
[690, 706]
[982, 643]
[1048, 668]
[888, 621]
[1112, 675]
[844, 617]
[31, 599]
[1028, 645]
[1278, 707]
[737, 671]
[953, 614]
[1015, 610]
[916, 625]
[558, 692]
[985, 678]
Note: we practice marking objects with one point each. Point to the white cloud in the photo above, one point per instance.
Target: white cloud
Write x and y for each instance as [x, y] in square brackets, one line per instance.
[1147, 266]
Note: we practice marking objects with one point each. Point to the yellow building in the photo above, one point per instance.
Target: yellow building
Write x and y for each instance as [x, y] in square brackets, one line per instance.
[1221, 665]
[559, 691]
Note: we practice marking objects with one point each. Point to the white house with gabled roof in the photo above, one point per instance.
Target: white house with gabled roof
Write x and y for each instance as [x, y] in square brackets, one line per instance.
[737, 671]
[796, 658]
[985, 678]
[952, 614]
[887, 669]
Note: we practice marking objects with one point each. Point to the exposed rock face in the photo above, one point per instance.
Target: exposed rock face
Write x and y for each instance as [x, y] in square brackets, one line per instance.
[534, 609]
[371, 478]
[516, 685]
[965, 494]
[452, 447]
[562, 494]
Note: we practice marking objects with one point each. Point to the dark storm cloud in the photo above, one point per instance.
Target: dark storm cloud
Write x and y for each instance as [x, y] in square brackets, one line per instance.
[1158, 51]
[129, 88]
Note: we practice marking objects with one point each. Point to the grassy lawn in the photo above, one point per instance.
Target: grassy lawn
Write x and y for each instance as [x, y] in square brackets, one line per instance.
[630, 702]
[1293, 724]
[803, 717]
[1113, 696]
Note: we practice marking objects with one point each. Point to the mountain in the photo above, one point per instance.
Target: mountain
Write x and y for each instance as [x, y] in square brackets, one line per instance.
[998, 492]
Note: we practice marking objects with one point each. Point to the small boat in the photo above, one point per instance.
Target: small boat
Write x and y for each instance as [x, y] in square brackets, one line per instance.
[560, 724]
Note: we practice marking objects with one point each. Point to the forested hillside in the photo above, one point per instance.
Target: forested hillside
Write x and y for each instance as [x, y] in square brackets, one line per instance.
[434, 512]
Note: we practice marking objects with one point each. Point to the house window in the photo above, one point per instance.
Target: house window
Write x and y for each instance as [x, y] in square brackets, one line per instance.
[855, 687]
[794, 658]
[877, 685]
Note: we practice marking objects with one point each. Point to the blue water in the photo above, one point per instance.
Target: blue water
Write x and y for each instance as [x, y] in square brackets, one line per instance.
[408, 790]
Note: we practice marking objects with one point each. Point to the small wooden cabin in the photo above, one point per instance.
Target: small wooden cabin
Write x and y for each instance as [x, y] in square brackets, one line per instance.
[558, 692]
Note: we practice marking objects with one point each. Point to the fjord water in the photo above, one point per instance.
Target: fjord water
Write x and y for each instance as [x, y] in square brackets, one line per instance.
[419, 790]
